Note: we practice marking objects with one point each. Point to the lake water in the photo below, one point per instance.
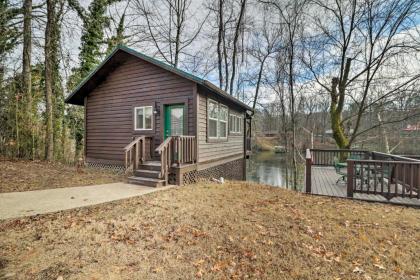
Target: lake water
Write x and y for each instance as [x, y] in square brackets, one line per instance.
[267, 168]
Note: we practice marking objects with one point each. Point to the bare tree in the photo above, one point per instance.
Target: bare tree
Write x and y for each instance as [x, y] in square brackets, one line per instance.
[238, 30]
[225, 21]
[26, 62]
[292, 16]
[49, 64]
[220, 36]
[359, 43]
[277, 83]
[166, 24]
[27, 49]
[52, 94]
[265, 43]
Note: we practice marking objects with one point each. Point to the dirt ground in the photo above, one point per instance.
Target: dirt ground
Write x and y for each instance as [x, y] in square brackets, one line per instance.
[230, 231]
[21, 175]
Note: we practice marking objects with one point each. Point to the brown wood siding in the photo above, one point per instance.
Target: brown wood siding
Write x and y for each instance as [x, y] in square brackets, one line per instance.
[109, 110]
[209, 151]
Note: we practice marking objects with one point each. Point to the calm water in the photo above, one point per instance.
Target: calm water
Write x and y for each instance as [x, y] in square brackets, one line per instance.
[267, 168]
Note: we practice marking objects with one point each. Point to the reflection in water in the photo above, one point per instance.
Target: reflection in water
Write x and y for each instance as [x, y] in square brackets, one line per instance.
[268, 168]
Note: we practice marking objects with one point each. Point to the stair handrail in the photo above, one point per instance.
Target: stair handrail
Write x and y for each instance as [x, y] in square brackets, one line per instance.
[165, 152]
[138, 145]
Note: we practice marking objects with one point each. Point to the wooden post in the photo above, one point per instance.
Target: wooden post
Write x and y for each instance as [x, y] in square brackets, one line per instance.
[308, 171]
[136, 158]
[126, 159]
[350, 171]
[176, 150]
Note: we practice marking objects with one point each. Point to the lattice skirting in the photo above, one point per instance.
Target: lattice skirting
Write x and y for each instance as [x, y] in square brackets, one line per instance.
[190, 177]
[232, 170]
[112, 167]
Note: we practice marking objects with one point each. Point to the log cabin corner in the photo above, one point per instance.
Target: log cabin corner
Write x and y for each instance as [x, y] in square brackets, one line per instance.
[164, 125]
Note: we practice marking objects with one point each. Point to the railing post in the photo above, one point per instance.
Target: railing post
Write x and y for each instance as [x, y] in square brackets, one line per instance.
[178, 150]
[308, 174]
[126, 159]
[143, 150]
[350, 172]
[136, 158]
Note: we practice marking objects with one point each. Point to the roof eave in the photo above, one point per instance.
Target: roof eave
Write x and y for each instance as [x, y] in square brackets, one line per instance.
[93, 72]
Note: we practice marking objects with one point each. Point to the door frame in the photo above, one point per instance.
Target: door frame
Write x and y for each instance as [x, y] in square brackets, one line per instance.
[173, 101]
[167, 118]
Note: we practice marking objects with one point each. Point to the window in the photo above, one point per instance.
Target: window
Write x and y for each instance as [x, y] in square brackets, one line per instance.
[223, 121]
[143, 118]
[217, 120]
[236, 123]
[213, 108]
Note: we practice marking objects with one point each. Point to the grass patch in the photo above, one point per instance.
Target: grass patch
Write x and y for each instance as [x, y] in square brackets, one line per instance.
[235, 230]
[25, 175]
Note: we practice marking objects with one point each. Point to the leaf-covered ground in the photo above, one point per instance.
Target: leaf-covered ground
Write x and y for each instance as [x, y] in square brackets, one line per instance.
[21, 175]
[210, 231]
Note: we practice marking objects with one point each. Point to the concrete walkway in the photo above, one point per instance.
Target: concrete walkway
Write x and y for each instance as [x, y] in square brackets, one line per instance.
[20, 204]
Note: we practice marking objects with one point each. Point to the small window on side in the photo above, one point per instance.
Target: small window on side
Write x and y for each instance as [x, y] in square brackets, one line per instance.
[143, 118]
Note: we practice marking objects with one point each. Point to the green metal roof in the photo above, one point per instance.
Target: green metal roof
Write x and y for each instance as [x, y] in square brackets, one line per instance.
[71, 98]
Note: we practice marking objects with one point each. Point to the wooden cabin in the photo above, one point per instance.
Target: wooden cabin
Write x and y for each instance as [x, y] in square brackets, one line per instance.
[161, 123]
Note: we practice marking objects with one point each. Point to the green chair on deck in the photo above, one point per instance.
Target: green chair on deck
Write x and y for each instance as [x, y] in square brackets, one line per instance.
[340, 169]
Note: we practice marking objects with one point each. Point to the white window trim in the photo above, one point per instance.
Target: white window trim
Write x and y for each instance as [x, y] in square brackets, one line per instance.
[223, 121]
[218, 120]
[144, 119]
[236, 126]
[214, 119]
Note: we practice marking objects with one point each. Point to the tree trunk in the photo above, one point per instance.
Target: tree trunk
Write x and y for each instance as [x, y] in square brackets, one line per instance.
[235, 45]
[338, 88]
[177, 38]
[292, 114]
[337, 129]
[26, 68]
[254, 104]
[285, 130]
[57, 90]
[384, 136]
[225, 55]
[219, 43]
[49, 64]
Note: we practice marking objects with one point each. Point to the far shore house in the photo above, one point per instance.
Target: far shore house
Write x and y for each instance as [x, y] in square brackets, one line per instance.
[162, 123]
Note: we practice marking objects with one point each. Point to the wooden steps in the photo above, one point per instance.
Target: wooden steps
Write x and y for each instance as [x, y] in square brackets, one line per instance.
[144, 181]
[148, 174]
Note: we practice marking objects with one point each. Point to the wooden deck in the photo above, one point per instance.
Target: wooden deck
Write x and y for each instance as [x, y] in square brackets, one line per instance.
[324, 182]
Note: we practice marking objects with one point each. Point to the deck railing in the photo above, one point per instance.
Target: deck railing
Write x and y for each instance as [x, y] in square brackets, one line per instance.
[328, 157]
[176, 150]
[389, 178]
[185, 149]
[135, 153]
[370, 172]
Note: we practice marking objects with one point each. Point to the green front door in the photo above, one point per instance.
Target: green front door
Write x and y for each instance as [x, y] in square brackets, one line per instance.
[174, 120]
